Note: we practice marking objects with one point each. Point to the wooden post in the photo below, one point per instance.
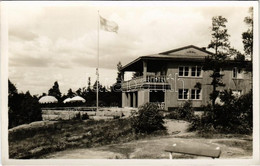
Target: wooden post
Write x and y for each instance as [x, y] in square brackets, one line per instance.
[144, 70]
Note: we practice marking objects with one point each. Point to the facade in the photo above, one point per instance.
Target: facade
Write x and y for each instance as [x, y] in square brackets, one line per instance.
[170, 78]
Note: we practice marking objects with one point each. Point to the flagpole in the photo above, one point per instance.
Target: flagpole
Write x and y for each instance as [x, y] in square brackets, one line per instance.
[97, 72]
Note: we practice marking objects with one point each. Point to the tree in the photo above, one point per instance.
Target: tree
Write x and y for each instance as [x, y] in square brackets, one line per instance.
[148, 119]
[22, 108]
[119, 74]
[136, 74]
[55, 91]
[11, 88]
[221, 46]
[70, 93]
[236, 54]
[248, 35]
[79, 92]
[89, 84]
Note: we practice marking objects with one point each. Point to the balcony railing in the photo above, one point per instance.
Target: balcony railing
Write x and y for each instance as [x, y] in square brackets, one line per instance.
[138, 82]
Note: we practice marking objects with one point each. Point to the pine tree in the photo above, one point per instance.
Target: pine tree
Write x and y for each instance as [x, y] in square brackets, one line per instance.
[221, 45]
[248, 35]
[55, 91]
[70, 93]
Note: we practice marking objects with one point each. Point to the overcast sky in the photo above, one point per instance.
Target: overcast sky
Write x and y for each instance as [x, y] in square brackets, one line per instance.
[57, 42]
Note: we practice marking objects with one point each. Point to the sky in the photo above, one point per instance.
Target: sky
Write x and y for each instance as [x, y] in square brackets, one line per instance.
[50, 42]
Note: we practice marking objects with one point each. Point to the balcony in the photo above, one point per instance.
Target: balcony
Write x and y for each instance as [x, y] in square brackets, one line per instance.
[148, 82]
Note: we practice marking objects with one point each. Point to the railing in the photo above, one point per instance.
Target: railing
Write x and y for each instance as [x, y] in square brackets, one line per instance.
[156, 79]
[138, 81]
[135, 82]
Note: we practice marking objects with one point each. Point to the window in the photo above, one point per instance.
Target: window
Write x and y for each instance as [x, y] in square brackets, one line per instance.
[184, 71]
[183, 94]
[195, 94]
[195, 71]
[237, 73]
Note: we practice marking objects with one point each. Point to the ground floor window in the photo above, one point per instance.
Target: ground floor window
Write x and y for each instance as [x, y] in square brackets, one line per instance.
[195, 94]
[183, 94]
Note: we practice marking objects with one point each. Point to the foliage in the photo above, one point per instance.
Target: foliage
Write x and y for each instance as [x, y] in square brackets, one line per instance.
[234, 116]
[221, 46]
[80, 116]
[22, 108]
[136, 74]
[248, 35]
[84, 116]
[55, 91]
[70, 93]
[11, 88]
[238, 56]
[185, 112]
[34, 142]
[148, 119]
[119, 74]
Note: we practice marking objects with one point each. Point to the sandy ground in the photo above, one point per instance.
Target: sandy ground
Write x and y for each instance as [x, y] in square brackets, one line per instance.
[153, 148]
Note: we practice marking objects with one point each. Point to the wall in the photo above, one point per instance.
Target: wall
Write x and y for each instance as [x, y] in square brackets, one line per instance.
[171, 96]
[143, 97]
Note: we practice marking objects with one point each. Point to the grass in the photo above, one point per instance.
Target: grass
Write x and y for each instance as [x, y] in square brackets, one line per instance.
[246, 145]
[33, 143]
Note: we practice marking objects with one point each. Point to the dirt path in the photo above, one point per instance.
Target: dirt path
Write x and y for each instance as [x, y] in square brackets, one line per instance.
[154, 148]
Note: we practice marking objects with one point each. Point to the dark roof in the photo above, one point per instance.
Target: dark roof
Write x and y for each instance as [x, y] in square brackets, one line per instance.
[164, 56]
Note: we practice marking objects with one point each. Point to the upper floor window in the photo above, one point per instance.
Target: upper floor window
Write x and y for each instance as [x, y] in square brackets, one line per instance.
[183, 94]
[195, 94]
[184, 71]
[196, 71]
[237, 73]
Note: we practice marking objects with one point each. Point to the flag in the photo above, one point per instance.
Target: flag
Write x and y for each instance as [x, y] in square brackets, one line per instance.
[109, 26]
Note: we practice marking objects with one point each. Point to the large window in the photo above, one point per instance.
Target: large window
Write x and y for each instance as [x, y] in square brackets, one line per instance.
[184, 71]
[195, 94]
[196, 71]
[183, 94]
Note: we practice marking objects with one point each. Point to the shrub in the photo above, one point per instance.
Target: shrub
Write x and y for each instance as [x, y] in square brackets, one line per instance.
[77, 116]
[185, 112]
[84, 116]
[234, 116]
[22, 108]
[148, 119]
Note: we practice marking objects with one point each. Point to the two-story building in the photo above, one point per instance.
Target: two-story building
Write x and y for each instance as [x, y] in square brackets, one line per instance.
[170, 78]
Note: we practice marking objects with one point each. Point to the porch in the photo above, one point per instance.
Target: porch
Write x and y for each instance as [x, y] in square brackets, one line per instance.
[135, 99]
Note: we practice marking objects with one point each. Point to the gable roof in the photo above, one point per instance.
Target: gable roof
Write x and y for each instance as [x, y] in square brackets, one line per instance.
[179, 54]
[186, 47]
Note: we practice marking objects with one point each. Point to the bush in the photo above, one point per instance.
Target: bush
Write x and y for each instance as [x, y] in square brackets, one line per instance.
[84, 116]
[22, 108]
[148, 119]
[234, 116]
[185, 112]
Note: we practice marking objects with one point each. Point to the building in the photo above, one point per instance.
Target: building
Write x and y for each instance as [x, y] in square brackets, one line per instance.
[170, 78]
